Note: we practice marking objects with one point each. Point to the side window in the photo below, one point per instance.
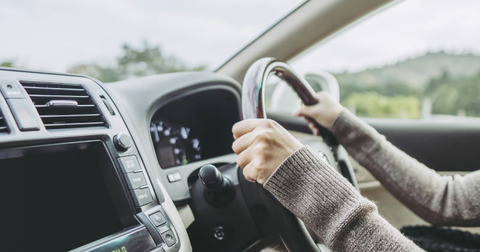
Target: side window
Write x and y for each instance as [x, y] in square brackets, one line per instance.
[412, 60]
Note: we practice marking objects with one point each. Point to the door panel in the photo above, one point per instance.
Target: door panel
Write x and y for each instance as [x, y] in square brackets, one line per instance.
[452, 146]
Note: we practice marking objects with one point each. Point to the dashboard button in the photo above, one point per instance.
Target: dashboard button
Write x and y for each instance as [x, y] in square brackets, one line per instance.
[158, 218]
[174, 177]
[129, 163]
[136, 179]
[22, 110]
[163, 228]
[169, 238]
[142, 196]
[10, 89]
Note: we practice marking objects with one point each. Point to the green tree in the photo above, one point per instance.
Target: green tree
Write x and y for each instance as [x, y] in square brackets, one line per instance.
[371, 104]
[134, 62]
[9, 63]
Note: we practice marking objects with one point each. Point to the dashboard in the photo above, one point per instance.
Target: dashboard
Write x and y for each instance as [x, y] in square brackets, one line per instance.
[88, 166]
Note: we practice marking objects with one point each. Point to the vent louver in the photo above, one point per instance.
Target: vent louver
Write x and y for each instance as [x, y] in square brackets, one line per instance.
[3, 124]
[63, 105]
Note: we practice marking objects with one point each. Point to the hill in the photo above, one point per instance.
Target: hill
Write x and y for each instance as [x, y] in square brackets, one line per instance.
[416, 72]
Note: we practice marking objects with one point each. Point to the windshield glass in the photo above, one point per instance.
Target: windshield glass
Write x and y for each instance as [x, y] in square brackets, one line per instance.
[119, 39]
[413, 60]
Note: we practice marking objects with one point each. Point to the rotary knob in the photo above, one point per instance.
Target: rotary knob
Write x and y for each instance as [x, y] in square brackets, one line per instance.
[122, 142]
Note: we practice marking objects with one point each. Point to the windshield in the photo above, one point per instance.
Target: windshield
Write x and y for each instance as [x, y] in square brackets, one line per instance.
[120, 39]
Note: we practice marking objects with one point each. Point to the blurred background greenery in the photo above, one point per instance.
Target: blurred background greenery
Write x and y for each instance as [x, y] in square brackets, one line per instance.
[436, 83]
[439, 82]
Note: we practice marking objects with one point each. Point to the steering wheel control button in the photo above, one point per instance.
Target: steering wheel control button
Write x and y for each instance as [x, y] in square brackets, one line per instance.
[136, 179]
[174, 177]
[22, 110]
[142, 196]
[158, 218]
[122, 142]
[219, 233]
[169, 238]
[129, 164]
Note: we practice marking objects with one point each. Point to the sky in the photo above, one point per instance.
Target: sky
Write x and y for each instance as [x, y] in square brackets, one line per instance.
[56, 34]
[399, 31]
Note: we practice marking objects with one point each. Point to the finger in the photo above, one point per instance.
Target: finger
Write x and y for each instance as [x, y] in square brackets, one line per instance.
[248, 172]
[313, 127]
[243, 142]
[244, 158]
[305, 111]
[243, 127]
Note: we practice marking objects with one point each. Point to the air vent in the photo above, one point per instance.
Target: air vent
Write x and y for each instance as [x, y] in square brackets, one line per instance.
[63, 105]
[3, 124]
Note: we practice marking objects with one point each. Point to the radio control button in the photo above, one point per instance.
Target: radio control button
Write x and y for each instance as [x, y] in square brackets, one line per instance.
[129, 164]
[169, 238]
[142, 196]
[136, 179]
[158, 218]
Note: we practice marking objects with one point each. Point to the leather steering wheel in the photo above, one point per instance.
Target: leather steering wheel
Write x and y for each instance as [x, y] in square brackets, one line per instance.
[292, 231]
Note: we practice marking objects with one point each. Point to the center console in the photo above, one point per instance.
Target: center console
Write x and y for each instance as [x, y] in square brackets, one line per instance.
[72, 178]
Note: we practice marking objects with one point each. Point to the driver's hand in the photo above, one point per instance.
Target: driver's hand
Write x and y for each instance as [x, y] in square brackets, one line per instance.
[261, 146]
[325, 112]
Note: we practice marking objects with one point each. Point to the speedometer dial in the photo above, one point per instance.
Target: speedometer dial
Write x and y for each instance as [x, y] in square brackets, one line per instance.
[175, 144]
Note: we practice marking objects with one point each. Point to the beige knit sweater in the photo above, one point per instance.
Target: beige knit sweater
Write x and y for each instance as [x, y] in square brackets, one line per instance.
[346, 221]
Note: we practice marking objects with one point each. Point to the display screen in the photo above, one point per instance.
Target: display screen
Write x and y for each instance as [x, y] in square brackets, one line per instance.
[55, 200]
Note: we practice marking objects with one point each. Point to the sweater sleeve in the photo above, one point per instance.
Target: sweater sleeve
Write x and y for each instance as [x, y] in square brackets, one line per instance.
[329, 205]
[440, 200]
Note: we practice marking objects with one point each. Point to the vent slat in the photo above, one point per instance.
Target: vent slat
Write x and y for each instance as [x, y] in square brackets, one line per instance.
[67, 116]
[54, 89]
[79, 106]
[67, 125]
[85, 114]
[60, 96]
[3, 124]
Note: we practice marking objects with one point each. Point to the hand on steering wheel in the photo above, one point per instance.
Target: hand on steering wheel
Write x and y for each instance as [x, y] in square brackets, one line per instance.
[325, 112]
[261, 146]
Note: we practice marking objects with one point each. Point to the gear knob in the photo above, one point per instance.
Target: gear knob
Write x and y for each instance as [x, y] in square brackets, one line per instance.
[211, 177]
[218, 190]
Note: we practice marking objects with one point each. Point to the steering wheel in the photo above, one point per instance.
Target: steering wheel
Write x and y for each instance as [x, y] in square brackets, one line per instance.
[292, 231]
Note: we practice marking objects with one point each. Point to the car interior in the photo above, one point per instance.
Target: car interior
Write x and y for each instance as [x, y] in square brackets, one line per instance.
[146, 164]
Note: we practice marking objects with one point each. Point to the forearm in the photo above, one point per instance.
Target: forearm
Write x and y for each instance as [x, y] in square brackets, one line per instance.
[441, 200]
[330, 206]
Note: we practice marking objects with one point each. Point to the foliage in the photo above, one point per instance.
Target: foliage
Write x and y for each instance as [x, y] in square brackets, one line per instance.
[10, 63]
[455, 95]
[148, 60]
[450, 82]
[372, 104]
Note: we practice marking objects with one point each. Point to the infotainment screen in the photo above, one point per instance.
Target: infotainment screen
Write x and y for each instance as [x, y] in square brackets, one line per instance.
[54, 198]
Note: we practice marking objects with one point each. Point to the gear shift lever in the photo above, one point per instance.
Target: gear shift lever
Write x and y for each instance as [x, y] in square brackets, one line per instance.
[218, 190]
